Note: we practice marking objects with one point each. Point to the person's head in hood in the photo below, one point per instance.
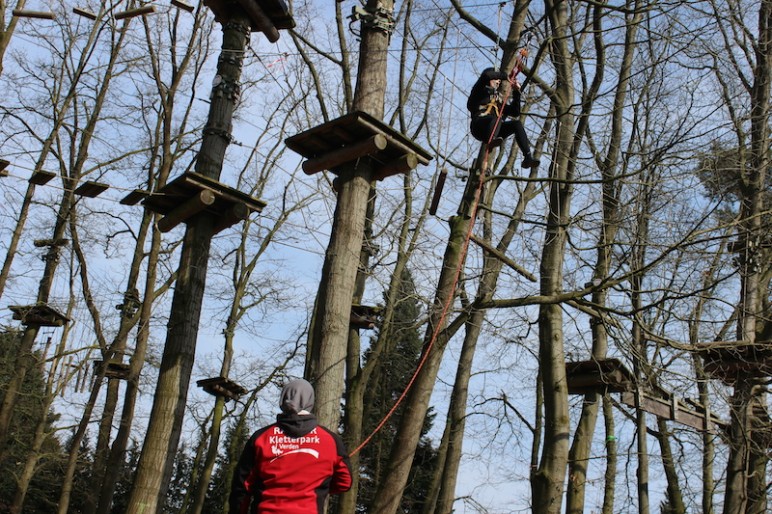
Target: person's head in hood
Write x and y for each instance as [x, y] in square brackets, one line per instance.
[489, 74]
[297, 397]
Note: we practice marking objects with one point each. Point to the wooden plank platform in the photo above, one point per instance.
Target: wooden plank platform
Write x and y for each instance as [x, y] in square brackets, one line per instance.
[221, 386]
[727, 361]
[364, 316]
[85, 13]
[41, 177]
[183, 5]
[599, 376]
[91, 189]
[134, 197]
[112, 369]
[693, 415]
[339, 142]
[133, 13]
[274, 12]
[41, 315]
[191, 194]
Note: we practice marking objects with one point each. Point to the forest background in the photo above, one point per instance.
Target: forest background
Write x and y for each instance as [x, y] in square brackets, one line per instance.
[642, 237]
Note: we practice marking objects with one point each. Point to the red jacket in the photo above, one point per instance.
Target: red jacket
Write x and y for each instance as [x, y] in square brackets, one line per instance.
[289, 468]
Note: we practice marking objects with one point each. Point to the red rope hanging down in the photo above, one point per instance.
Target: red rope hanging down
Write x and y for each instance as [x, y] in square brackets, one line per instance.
[519, 64]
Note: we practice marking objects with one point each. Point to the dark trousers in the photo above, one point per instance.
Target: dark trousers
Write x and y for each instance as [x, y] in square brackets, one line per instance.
[483, 126]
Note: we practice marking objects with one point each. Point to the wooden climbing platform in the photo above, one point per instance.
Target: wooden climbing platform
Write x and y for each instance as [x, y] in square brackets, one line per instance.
[727, 361]
[667, 406]
[598, 376]
[364, 316]
[112, 369]
[191, 194]
[134, 197]
[41, 177]
[40, 314]
[266, 16]
[91, 189]
[221, 386]
[339, 143]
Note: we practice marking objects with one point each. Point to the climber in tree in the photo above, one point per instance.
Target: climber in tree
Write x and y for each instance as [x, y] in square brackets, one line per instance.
[484, 104]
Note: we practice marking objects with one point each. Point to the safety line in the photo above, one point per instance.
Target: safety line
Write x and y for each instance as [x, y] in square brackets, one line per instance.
[446, 307]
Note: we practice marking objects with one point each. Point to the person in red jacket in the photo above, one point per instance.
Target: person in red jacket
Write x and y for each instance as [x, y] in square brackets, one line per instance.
[291, 466]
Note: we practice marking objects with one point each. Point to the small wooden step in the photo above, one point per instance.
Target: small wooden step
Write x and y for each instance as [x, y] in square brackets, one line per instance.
[598, 375]
[135, 197]
[221, 386]
[112, 369]
[41, 177]
[91, 189]
[364, 316]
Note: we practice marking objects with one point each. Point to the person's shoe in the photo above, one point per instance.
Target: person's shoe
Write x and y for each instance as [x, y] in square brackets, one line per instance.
[496, 142]
[529, 161]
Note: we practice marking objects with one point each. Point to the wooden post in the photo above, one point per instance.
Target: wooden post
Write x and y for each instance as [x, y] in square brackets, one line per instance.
[402, 165]
[186, 210]
[261, 20]
[182, 5]
[438, 187]
[346, 154]
[83, 12]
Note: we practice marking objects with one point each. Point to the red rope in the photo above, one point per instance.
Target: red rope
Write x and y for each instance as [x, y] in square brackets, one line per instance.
[449, 301]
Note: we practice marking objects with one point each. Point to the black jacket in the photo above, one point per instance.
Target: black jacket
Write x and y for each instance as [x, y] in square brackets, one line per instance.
[482, 95]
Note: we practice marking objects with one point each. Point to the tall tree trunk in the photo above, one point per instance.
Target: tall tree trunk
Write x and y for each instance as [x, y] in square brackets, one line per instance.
[547, 480]
[389, 492]
[62, 103]
[580, 449]
[25, 359]
[41, 433]
[156, 462]
[611, 457]
[492, 266]
[328, 338]
[6, 31]
[753, 181]
[675, 498]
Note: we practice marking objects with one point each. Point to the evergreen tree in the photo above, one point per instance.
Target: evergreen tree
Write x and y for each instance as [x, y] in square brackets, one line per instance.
[125, 480]
[43, 492]
[397, 365]
[220, 485]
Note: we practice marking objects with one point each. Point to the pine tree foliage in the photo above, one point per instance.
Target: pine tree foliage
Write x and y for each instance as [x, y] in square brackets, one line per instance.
[389, 380]
[43, 492]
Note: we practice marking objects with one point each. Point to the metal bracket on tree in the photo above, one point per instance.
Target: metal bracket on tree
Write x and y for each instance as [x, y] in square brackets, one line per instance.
[379, 18]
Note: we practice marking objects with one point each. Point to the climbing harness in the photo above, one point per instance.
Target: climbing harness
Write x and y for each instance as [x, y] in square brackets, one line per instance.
[492, 107]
